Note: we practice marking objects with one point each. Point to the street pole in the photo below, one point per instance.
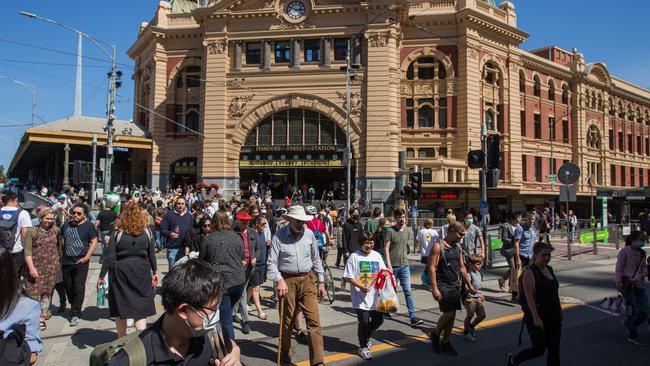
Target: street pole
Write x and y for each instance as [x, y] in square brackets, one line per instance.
[77, 94]
[593, 217]
[31, 89]
[485, 211]
[109, 125]
[348, 172]
[93, 185]
[551, 123]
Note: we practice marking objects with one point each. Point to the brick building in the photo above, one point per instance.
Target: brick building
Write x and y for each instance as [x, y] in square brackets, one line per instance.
[234, 91]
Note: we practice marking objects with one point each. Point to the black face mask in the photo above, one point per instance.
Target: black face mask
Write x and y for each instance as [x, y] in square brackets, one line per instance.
[355, 217]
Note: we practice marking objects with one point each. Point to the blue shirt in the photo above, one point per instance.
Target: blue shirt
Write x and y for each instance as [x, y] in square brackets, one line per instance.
[28, 312]
[261, 243]
[527, 237]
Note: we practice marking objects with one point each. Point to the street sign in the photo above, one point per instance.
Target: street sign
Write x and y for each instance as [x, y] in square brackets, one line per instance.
[552, 178]
[484, 207]
[568, 193]
[569, 173]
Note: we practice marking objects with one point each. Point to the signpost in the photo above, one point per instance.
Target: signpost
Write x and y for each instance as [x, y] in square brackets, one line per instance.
[569, 173]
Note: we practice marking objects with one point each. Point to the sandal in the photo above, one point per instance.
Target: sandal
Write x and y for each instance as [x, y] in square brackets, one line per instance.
[262, 316]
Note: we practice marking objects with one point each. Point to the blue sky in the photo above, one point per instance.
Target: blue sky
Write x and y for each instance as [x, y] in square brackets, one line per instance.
[603, 31]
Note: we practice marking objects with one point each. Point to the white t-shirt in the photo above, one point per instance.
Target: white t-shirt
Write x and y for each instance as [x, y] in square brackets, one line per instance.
[427, 238]
[23, 221]
[365, 268]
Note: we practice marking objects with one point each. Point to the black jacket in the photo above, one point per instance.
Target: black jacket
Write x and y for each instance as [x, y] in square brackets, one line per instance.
[351, 233]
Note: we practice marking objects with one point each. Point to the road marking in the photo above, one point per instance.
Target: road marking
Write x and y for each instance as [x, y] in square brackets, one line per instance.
[421, 338]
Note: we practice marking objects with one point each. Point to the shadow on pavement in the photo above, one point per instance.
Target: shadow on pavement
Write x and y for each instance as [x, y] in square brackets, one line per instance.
[89, 338]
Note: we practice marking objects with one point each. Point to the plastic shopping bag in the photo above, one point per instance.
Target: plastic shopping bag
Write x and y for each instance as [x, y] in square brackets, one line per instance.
[387, 301]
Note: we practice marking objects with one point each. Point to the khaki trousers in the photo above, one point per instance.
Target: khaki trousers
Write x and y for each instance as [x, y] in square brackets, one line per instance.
[303, 292]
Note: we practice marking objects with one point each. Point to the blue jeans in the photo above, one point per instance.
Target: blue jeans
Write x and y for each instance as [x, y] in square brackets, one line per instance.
[403, 275]
[174, 254]
[230, 298]
[637, 311]
[159, 240]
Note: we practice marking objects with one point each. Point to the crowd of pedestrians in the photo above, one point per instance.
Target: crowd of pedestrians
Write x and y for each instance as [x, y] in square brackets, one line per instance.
[219, 252]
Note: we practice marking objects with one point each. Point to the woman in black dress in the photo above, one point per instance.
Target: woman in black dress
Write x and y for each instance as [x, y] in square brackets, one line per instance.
[131, 263]
[542, 310]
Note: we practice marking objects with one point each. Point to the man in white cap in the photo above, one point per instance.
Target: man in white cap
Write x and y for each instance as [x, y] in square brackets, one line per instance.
[295, 266]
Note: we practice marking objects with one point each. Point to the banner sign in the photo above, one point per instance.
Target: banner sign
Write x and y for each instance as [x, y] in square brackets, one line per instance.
[290, 163]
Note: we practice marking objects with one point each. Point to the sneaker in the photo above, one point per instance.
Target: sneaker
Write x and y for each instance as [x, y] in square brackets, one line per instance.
[435, 341]
[369, 344]
[365, 354]
[245, 328]
[236, 319]
[302, 337]
[449, 349]
[415, 322]
[509, 358]
[74, 321]
[469, 337]
[635, 341]
[502, 284]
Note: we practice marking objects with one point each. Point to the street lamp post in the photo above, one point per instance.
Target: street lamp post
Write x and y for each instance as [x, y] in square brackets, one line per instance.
[31, 88]
[112, 86]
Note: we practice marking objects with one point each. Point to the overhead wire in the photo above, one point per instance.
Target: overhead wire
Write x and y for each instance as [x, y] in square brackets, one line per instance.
[47, 63]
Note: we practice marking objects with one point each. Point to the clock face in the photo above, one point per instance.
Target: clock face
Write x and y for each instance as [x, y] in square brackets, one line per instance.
[296, 10]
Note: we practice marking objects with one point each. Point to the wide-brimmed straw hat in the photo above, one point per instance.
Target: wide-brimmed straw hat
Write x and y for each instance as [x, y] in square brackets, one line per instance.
[297, 213]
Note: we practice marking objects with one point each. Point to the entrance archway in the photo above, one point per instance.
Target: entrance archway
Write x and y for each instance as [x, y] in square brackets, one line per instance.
[294, 150]
[183, 172]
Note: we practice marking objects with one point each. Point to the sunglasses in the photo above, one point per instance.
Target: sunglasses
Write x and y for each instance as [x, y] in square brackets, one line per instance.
[207, 225]
[77, 213]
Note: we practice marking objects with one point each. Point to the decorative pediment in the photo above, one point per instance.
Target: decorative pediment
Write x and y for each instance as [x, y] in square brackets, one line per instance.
[598, 72]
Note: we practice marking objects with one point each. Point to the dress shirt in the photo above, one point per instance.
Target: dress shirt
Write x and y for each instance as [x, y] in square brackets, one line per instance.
[294, 254]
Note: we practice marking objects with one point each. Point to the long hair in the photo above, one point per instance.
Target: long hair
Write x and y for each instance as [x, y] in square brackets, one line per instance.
[132, 221]
[220, 221]
[10, 289]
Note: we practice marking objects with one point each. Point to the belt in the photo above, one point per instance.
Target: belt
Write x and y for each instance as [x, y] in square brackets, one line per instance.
[299, 274]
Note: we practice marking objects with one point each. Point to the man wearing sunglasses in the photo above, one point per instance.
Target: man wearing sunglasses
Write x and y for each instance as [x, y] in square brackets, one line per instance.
[79, 242]
[189, 332]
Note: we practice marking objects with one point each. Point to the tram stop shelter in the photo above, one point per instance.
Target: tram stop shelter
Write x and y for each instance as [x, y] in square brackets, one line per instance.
[45, 150]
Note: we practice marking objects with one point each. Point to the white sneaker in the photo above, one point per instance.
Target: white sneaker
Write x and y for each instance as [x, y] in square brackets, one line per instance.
[369, 344]
[365, 354]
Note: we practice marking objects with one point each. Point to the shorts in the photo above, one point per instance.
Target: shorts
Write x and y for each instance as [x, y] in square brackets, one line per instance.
[474, 305]
[451, 299]
[258, 276]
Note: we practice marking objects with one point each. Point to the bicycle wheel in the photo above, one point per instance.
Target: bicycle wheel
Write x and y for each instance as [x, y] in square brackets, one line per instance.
[329, 285]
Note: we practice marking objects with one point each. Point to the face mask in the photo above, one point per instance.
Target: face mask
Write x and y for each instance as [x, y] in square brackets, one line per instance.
[386, 227]
[469, 222]
[355, 217]
[209, 323]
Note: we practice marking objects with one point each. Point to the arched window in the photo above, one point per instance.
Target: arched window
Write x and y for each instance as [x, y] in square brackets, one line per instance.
[489, 119]
[593, 100]
[296, 127]
[593, 137]
[425, 116]
[621, 110]
[522, 81]
[551, 90]
[600, 102]
[565, 94]
[612, 107]
[537, 87]
[426, 68]
[189, 77]
[187, 98]
[491, 74]
[647, 118]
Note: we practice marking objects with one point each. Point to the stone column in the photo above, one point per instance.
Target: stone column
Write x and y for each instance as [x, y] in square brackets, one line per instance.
[266, 64]
[66, 166]
[326, 51]
[237, 55]
[356, 49]
[296, 53]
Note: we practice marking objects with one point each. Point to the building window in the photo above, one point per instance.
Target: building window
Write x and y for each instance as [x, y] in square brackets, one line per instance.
[593, 137]
[537, 87]
[565, 131]
[633, 176]
[551, 128]
[623, 176]
[425, 117]
[538, 169]
[538, 125]
[629, 143]
[442, 152]
[427, 176]
[611, 139]
[426, 152]
[638, 145]
[621, 145]
[410, 113]
[340, 49]
[491, 74]
[312, 50]
[489, 120]
[253, 53]
[187, 118]
[522, 82]
[647, 146]
[282, 52]
[410, 153]
[612, 175]
[551, 90]
[442, 112]
[522, 121]
[565, 94]
[425, 68]
[450, 175]
[459, 176]
[189, 77]
[524, 167]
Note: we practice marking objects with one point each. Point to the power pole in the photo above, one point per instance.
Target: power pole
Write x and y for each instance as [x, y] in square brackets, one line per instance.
[77, 94]
[93, 177]
[109, 125]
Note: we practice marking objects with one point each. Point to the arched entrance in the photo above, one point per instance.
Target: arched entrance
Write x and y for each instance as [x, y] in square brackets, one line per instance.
[183, 172]
[295, 148]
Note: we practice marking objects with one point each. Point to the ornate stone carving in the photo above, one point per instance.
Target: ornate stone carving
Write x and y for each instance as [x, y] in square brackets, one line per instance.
[378, 40]
[234, 83]
[269, 4]
[238, 105]
[217, 47]
[284, 24]
[355, 99]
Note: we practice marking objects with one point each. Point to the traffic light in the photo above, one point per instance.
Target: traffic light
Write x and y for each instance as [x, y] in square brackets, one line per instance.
[475, 159]
[493, 151]
[415, 179]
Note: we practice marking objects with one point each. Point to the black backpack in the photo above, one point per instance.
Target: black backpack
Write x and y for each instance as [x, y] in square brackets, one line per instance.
[14, 350]
[9, 228]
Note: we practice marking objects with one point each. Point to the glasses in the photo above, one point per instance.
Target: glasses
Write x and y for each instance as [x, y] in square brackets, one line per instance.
[207, 225]
[77, 213]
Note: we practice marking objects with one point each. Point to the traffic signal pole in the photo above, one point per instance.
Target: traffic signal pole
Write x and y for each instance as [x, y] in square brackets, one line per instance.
[485, 212]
